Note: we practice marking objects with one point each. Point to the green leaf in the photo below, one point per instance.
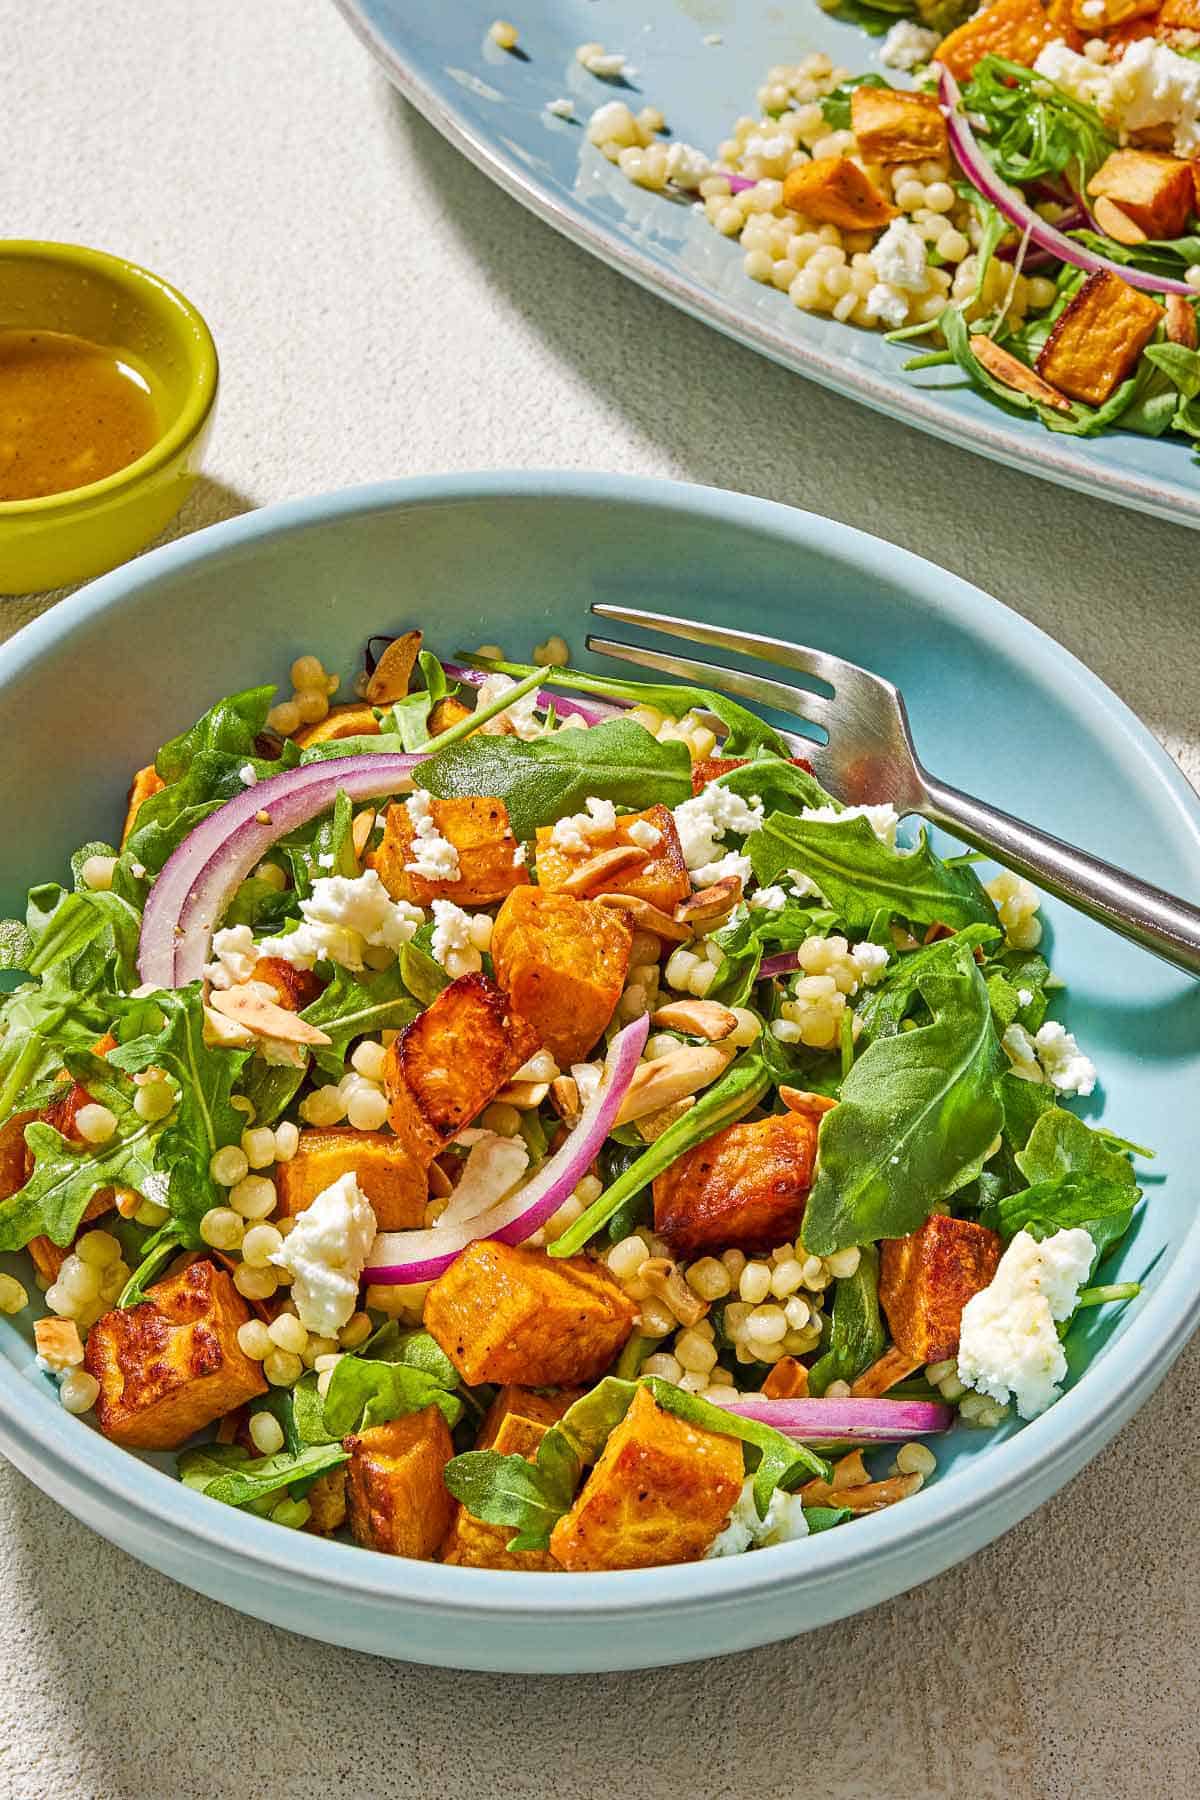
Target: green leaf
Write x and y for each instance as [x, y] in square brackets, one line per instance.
[227, 1473]
[156, 1253]
[363, 1392]
[508, 1490]
[353, 1006]
[836, 105]
[332, 840]
[412, 713]
[742, 1086]
[917, 1119]
[16, 945]
[741, 951]
[883, 1008]
[1061, 1204]
[778, 786]
[824, 1518]
[1062, 1149]
[551, 777]
[77, 921]
[859, 875]
[1022, 1103]
[1034, 129]
[857, 1336]
[421, 974]
[270, 1088]
[415, 1350]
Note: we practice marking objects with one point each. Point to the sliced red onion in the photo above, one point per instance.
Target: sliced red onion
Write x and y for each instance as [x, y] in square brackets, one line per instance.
[846, 1421]
[786, 963]
[400, 1258]
[565, 705]
[737, 183]
[979, 171]
[200, 878]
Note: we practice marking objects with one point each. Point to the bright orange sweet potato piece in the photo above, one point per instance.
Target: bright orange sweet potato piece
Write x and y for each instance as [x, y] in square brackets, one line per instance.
[354, 720]
[452, 1060]
[147, 781]
[173, 1364]
[505, 1313]
[662, 882]
[832, 190]
[396, 1495]
[927, 1278]
[746, 1186]
[292, 988]
[660, 1493]
[447, 713]
[1017, 29]
[710, 767]
[788, 1380]
[487, 854]
[894, 127]
[1112, 14]
[1096, 342]
[1178, 15]
[563, 962]
[516, 1423]
[1153, 190]
[387, 1172]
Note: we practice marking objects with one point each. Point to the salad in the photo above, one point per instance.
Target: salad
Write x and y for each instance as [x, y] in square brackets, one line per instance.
[1026, 212]
[518, 1117]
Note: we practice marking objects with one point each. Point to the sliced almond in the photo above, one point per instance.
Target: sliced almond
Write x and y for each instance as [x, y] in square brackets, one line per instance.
[669, 1078]
[440, 1185]
[564, 1097]
[58, 1342]
[1010, 370]
[1115, 223]
[651, 1128]
[248, 1007]
[392, 673]
[697, 1018]
[799, 1100]
[606, 865]
[892, 1366]
[1181, 321]
[647, 917]
[663, 1278]
[524, 1095]
[849, 1471]
[871, 1498]
[710, 902]
[225, 1034]
[361, 828]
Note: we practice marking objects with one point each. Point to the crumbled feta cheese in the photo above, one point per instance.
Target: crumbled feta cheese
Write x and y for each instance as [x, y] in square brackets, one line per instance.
[1017, 901]
[562, 109]
[520, 717]
[870, 960]
[687, 167]
[341, 917]
[326, 859]
[326, 1251]
[451, 930]
[899, 257]
[609, 65]
[722, 869]
[769, 900]
[235, 954]
[704, 819]
[644, 834]
[886, 304]
[1150, 85]
[1008, 1344]
[577, 832]
[1024, 996]
[247, 775]
[744, 1530]
[883, 819]
[1067, 1068]
[1021, 1052]
[519, 855]
[907, 45]
[434, 856]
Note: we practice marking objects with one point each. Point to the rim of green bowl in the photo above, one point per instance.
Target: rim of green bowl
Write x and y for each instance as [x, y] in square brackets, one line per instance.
[192, 331]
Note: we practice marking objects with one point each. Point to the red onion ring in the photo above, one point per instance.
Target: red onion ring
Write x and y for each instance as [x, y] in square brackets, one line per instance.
[566, 705]
[845, 1421]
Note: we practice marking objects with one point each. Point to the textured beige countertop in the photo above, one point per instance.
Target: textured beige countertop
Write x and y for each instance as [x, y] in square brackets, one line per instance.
[382, 310]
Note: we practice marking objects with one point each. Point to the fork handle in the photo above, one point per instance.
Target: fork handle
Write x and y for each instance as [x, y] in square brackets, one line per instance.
[1149, 916]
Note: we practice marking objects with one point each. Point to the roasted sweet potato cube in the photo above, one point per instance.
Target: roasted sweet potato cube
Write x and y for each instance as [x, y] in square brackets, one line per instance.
[327, 1502]
[710, 767]
[173, 1364]
[488, 854]
[744, 1187]
[452, 1060]
[1017, 29]
[517, 1421]
[788, 1380]
[16, 1160]
[1096, 342]
[505, 1313]
[446, 714]
[892, 127]
[292, 988]
[663, 881]
[1178, 15]
[1086, 18]
[927, 1278]
[49, 1257]
[832, 190]
[563, 963]
[1153, 190]
[660, 1493]
[391, 1177]
[147, 781]
[396, 1495]
[355, 720]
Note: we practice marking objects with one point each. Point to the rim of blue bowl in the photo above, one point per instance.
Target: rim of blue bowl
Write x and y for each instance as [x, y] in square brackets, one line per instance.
[1008, 1482]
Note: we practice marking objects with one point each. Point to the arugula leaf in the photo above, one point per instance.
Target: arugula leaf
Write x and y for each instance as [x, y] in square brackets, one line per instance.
[859, 875]
[778, 786]
[548, 778]
[824, 1518]
[742, 1086]
[1061, 1150]
[363, 1392]
[415, 1350]
[421, 973]
[917, 1118]
[228, 1473]
[16, 944]
[156, 1251]
[412, 713]
[332, 839]
[75, 921]
[508, 1490]
[352, 1006]
[747, 734]
[836, 105]
[38, 1025]
[1065, 1202]
[857, 1336]
[741, 949]
[884, 1007]
[1034, 129]
[270, 1088]
[1022, 1104]
[1080, 421]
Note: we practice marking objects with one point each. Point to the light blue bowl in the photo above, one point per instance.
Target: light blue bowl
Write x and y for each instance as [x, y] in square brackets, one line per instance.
[90, 690]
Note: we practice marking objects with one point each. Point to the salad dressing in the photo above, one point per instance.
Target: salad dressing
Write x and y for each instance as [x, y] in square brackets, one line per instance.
[71, 412]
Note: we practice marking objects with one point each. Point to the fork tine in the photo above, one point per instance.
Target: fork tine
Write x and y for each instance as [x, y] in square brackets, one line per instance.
[801, 657]
[760, 688]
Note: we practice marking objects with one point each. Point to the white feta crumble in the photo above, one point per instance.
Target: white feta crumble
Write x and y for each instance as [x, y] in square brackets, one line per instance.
[784, 1523]
[434, 856]
[609, 65]
[1021, 1052]
[577, 831]
[883, 820]
[899, 257]
[519, 855]
[326, 1251]
[687, 167]
[645, 835]
[1066, 1066]
[870, 960]
[711, 39]
[451, 932]
[234, 956]
[341, 918]
[1008, 1345]
[907, 45]
[562, 108]
[769, 899]
[722, 868]
[520, 718]
[326, 859]
[1149, 86]
[886, 304]
[704, 819]
[247, 775]
[1024, 996]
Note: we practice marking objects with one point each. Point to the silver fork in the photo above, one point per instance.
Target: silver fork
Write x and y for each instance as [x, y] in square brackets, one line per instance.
[869, 758]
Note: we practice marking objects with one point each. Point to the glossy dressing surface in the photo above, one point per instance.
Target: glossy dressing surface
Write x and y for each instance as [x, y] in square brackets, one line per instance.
[71, 412]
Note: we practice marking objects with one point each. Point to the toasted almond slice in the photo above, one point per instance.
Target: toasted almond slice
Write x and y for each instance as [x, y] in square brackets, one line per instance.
[1181, 321]
[892, 1366]
[871, 1498]
[524, 1095]
[849, 1471]
[440, 1185]
[391, 674]
[697, 1018]
[663, 1278]
[1115, 223]
[225, 1034]
[647, 917]
[651, 1128]
[606, 865]
[710, 902]
[788, 1380]
[58, 1342]
[247, 1006]
[360, 831]
[669, 1078]
[1013, 373]
[799, 1100]
[564, 1097]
